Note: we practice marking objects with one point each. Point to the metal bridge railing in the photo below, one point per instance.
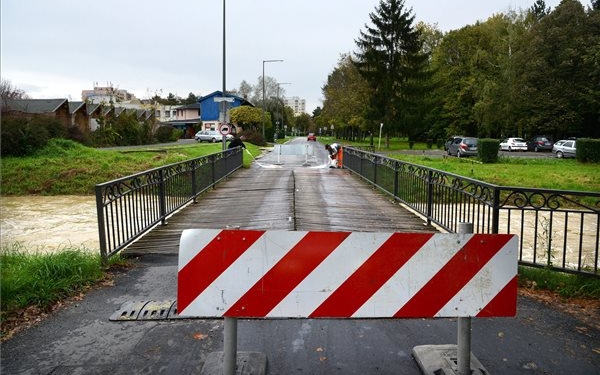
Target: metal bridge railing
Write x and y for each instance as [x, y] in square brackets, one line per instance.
[557, 229]
[130, 206]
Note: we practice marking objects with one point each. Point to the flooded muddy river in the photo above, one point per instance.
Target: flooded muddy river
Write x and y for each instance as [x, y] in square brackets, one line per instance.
[49, 223]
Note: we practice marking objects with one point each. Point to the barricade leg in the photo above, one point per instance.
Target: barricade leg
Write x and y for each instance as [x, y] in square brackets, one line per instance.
[464, 327]
[230, 346]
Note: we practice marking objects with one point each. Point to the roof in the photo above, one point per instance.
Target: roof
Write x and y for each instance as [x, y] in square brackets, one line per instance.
[76, 106]
[243, 101]
[190, 106]
[33, 105]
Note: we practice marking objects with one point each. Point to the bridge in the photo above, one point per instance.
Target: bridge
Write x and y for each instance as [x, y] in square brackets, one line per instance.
[290, 188]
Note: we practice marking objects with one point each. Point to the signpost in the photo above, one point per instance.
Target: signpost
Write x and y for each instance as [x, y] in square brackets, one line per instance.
[223, 115]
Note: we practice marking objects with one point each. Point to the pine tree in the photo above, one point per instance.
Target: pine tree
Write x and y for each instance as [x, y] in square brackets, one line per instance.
[539, 9]
[391, 60]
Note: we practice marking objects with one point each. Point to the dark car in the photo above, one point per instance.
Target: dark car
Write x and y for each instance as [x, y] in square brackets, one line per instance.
[463, 146]
[539, 143]
[311, 137]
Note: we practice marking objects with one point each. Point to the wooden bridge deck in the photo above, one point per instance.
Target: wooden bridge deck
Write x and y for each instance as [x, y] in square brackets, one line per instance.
[286, 199]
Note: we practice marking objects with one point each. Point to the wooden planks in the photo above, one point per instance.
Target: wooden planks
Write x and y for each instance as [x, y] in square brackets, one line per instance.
[288, 199]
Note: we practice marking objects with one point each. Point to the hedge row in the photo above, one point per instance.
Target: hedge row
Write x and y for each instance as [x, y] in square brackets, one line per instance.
[588, 150]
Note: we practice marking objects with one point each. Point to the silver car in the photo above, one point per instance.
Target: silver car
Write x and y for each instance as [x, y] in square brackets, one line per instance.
[565, 148]
[211, 136]
[463, 146]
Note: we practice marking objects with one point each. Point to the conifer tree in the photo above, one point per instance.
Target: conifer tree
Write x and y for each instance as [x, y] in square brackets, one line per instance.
[391, 60]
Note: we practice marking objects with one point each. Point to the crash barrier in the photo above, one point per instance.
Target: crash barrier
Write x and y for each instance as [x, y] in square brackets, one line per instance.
[130, 206]
[283, 274]
[558, 229]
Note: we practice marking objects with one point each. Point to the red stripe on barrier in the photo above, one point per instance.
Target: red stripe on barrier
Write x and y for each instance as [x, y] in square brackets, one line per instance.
[504, 303]
[220, 253]
[284, 276]
[374, 272]
[447, 282]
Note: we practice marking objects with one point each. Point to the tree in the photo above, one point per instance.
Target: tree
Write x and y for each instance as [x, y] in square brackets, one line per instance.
[249, 118]
[344, 104]
[8, 91]
[245, 90]
[559, 93]
[191, 99]
[539, 10]
[391, 60]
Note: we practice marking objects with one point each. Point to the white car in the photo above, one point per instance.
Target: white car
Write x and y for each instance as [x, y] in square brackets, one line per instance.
[513, 144]
[211, 136]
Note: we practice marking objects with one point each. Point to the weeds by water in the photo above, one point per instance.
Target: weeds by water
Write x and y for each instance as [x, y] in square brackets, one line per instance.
[41, 279]
[564, 284]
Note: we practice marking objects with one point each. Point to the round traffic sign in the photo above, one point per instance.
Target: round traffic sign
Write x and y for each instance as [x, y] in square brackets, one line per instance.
[224, 129]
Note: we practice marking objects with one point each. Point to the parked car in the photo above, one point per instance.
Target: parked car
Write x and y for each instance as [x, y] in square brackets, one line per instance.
[311, 137]
[463, 146]
[211, 136]
[450, 140]
[513, 144]
[539, 143]
[565, 148]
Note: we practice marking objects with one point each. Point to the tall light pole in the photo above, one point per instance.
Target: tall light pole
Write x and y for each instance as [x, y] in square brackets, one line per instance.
[224, 103]
[263, 93]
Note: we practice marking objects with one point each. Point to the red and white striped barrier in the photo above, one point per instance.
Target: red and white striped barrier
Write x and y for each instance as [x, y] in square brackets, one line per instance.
[283, 274]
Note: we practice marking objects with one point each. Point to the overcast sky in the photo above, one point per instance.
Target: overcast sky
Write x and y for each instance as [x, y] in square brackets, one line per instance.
[55, 49]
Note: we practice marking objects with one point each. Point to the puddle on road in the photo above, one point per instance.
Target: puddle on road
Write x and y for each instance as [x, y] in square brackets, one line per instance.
[49, 223]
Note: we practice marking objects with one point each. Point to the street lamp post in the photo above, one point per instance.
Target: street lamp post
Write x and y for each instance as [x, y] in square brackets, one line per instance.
[263, 93]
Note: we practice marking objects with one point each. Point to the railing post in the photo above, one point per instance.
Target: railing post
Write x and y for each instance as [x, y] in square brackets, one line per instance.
[101, 228]
[496, 211]
[396, 174]
[213, 171]
[162, 197]
[464, 327]
[194, 184]
[429, 196]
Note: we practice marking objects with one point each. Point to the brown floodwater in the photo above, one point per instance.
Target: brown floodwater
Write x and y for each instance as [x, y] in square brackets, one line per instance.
[50, 224]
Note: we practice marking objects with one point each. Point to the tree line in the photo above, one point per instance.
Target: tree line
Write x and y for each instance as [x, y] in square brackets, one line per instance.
[520, 73]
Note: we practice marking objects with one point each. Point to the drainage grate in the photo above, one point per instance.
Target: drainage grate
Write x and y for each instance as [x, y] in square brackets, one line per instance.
[146, 310]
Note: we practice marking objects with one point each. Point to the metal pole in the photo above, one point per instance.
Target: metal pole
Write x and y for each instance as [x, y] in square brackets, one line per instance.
[230, 346]
[464, 327]
[263, 100]
[224, 103]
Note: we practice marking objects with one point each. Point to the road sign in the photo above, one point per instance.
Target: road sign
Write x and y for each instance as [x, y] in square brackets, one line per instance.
[278, 274]
[224, 129]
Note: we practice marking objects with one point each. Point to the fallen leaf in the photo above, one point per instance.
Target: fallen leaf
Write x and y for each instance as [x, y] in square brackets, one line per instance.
[319, 349]
[322, 359]
[596, 350]
[200, 336]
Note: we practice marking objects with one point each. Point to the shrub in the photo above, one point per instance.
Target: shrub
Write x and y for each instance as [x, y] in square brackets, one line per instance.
[22, 136]
[253, 137]
[588, 150]
[487, 149]
[164, 134]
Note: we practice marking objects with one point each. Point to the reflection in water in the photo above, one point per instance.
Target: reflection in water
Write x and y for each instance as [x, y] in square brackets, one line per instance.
[49, 223]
